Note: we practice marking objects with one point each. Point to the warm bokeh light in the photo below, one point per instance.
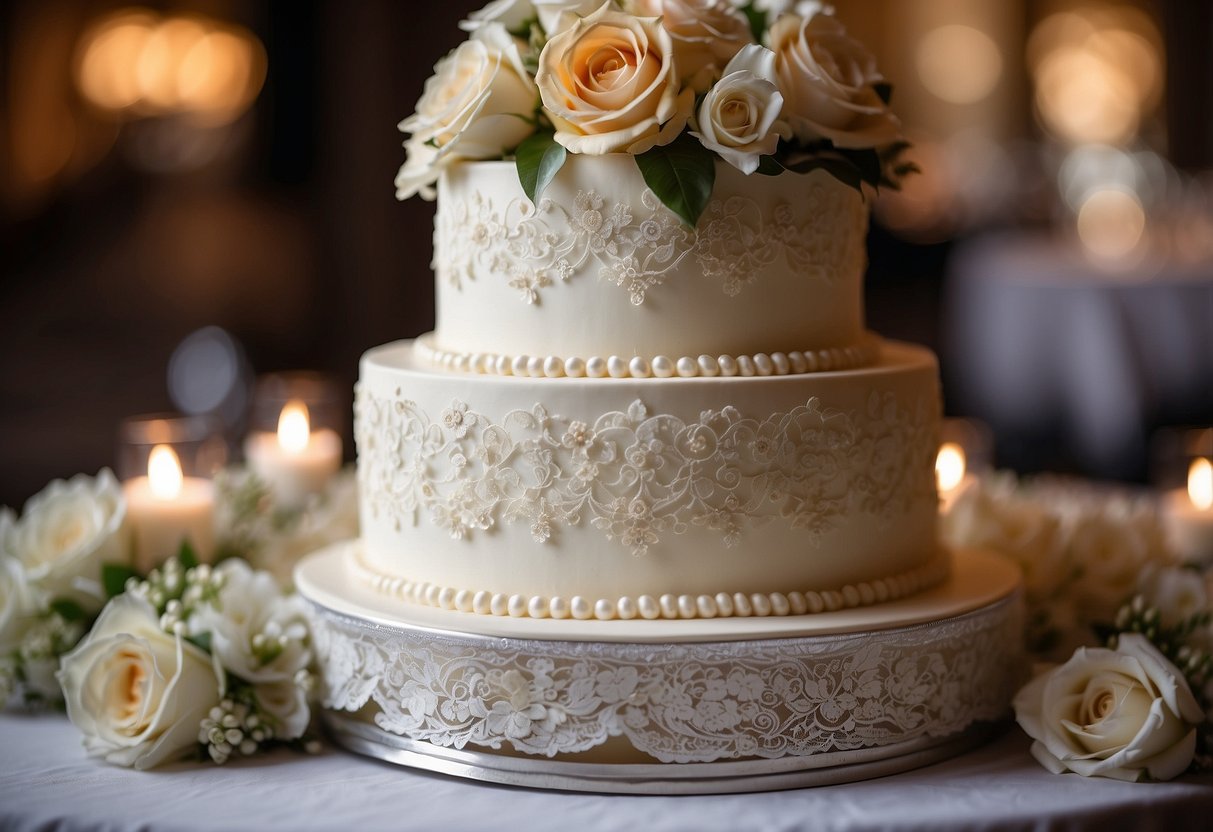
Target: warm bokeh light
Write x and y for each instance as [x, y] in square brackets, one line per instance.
[958, 64]
[1098, 73]
[1111, 223]
[1200, 483]
[144, 64]
[164, 473]
[294, 427]
[949, 467]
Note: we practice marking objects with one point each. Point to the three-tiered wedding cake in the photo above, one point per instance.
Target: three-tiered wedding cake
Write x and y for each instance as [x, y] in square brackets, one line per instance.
[651, 491]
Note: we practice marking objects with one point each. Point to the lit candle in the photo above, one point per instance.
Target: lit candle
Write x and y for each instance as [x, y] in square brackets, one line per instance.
[297, 461]
[1188, 514]
[167, 508]
[951, 474]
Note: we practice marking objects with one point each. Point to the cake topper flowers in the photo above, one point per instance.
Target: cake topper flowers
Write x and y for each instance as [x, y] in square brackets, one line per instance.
[769, 88]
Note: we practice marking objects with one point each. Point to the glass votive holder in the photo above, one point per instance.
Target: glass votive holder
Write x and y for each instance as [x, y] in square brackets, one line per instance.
[294, 441]
[966, 451]
[166, 463]
[1181, 463]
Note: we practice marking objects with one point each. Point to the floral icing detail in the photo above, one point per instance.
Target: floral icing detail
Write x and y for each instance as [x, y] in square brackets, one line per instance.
[691, 702]
[637, 247]
[637, 476]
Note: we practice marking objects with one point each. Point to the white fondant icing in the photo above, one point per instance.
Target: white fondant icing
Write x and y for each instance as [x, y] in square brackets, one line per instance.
[599, 266]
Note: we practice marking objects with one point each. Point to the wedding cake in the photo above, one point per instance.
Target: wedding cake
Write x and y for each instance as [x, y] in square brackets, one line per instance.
[650, 490]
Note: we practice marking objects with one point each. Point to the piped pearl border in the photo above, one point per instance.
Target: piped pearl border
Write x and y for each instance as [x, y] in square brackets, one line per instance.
[661, 366]
[669, 606]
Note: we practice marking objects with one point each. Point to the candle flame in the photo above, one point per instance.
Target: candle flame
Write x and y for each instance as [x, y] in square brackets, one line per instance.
[294, 427]
[949, 466]
[164, 473]
[1200, 483]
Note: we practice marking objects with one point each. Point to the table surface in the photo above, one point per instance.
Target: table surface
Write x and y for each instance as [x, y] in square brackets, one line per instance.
[46, 782]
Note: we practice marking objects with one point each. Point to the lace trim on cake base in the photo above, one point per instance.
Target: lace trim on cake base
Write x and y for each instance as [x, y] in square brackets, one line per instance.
[678, 702]
[797, 362]
[666, 606]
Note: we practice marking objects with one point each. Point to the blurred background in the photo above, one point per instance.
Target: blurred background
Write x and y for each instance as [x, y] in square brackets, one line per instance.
[194, 193]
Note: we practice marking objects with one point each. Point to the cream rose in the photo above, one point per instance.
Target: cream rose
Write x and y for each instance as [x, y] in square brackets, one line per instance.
[67, 531]
[827, 81]
[17, 604]
[706, 34]
[478, 104]
[1111, 551]
[738, 117]
[553, 15]
[1124, 714]
[137, 693]
[609, 83]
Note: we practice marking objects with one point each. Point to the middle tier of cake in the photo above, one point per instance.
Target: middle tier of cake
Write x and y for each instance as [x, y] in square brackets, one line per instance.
[655, 497]
[648, 497]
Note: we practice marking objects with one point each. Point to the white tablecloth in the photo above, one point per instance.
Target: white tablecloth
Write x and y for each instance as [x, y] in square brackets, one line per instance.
[46, 783]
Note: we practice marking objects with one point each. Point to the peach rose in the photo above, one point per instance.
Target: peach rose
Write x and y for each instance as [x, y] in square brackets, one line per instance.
[609, 83]
[827, 79]
[706, 34]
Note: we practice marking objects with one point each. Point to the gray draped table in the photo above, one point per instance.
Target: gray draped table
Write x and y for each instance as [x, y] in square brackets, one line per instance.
[46, 782]
[1040, 341]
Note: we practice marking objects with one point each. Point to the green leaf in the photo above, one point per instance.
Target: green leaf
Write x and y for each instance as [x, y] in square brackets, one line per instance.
[114, 577]
[68, 610]
[871, 169]
[201, 641]
[769, 166]
[681, 174]
[841, 169]
[884, 90]
[757, 19]
[538, 158]
[186, 555]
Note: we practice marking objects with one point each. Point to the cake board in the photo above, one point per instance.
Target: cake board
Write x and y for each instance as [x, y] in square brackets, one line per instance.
[692, 706]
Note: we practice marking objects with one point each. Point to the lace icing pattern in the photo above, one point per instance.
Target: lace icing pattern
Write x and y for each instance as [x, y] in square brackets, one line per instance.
[635, 247]
[681, 702]
[636, 476]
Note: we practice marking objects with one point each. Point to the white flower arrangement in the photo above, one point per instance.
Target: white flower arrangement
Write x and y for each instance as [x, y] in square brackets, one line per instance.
[768, 87]
[191, 660]
[52, 560]
[1134, 626]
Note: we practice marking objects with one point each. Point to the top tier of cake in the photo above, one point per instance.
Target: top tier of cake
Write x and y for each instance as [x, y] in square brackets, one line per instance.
[600, 268]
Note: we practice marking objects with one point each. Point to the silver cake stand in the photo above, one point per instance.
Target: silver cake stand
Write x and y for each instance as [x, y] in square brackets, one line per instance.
[671, 707]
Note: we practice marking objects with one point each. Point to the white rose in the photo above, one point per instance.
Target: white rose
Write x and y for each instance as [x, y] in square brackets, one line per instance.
[706, 33]
[1177, 593]
[1111, 555]
[609, 83]
[478, 104]
[331, 520]
[1121, 713]
[738, 115]
[261, 636]
[137, 693]
[994, 515]
[513, 13]
[17, 604]
[827, 81]
[67, 531]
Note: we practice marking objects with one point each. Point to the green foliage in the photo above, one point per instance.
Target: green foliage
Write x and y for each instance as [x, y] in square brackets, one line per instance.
[114, 577]
[186, 555]
[538, 159]
[681, 174]
[68, 610]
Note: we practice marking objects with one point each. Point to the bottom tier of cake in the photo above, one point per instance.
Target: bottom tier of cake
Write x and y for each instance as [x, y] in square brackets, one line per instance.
[684, 706]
